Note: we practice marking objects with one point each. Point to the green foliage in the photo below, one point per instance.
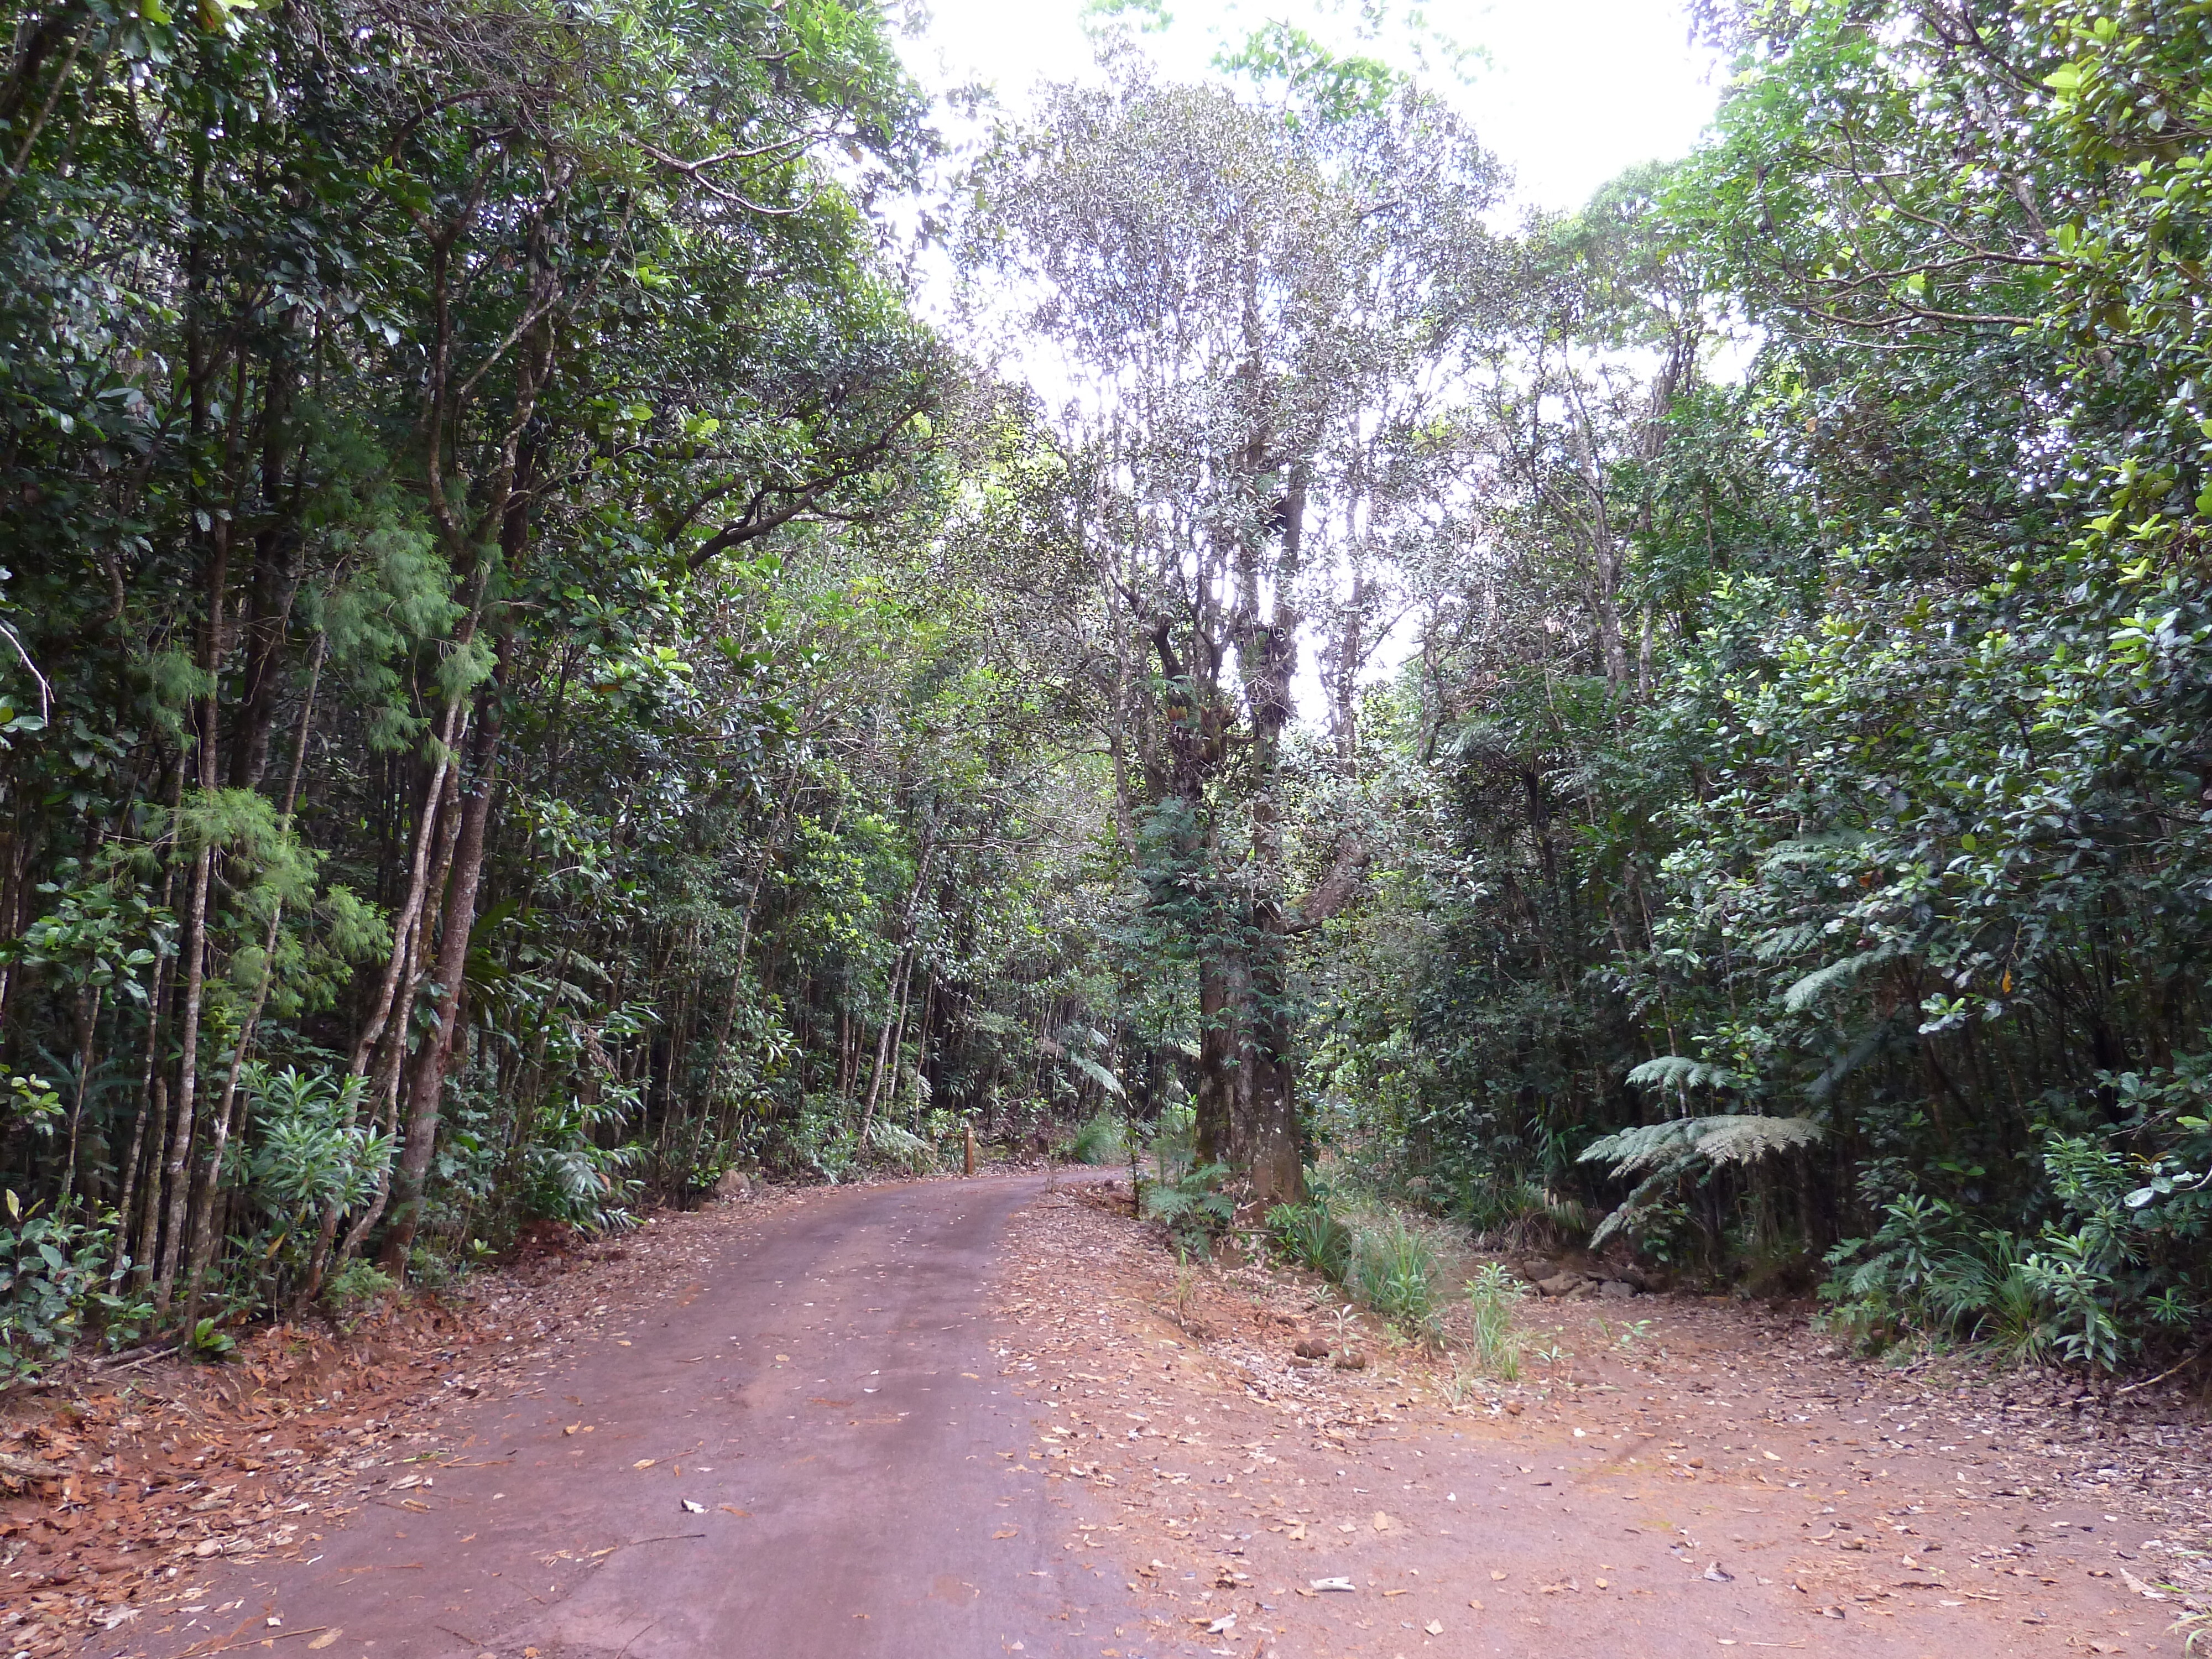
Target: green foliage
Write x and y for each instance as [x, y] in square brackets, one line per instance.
[1493, 1297]
[902, 1146]
[1193, 1208]
[207, 1341]
[354, 1286]
[1395, 1270]
[1100, 1139]
[1174, 1143]
[1662, 1154]
[1310, 1234]
[55, 1288]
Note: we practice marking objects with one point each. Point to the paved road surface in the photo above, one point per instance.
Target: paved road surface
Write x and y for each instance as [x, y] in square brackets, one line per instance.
[829, 1394]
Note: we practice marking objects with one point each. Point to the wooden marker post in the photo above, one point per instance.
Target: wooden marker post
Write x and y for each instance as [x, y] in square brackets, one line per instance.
[968, 1149]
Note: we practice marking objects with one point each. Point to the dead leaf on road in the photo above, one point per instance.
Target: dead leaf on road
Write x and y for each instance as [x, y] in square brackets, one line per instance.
[326, 1638]
[1435, 1627]
[1007, 1532]
[1332, 1583]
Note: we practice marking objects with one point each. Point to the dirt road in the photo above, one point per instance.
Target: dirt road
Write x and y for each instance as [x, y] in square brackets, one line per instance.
[967, 1419]
[799, 1454]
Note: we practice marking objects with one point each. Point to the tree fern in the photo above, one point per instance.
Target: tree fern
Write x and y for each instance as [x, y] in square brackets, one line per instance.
[1664, 1152]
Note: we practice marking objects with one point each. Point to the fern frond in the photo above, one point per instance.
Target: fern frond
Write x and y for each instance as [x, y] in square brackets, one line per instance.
[1821, 981]
[1098, 1074]
[1743, 1138]
[1662, 1152]
[1644, 1145]
[1680, 1071]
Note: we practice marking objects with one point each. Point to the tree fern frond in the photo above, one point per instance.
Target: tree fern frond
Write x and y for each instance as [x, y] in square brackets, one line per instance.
[1821, 981]
[1662, 1152]
[1098, 1074]
[1680, 1071]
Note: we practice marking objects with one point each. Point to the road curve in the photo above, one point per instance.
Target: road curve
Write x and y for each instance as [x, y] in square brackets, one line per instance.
[799, 1456]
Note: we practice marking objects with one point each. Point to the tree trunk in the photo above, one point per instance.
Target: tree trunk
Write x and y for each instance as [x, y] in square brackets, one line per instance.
[426, 1088]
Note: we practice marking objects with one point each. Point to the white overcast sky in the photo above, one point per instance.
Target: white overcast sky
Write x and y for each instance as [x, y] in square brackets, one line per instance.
[1574, 90]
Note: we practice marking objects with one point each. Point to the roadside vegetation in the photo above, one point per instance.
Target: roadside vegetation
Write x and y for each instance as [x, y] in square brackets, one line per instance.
[531, 680]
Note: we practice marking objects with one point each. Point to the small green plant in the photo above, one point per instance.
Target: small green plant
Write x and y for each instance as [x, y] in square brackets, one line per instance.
[1194, 1209]
[1346, 1320]
[1395, 1270]
[1309, 1235]
[354, 1285]
[1493, 1296]
[209, 1340]
[2194, 1626]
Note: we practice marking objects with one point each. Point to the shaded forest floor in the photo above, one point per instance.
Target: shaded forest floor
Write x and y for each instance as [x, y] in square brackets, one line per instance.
[1680, 1473]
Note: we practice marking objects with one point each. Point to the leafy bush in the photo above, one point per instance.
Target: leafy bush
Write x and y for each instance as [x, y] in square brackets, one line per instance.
[1312, 1237]
[54, 1289]
[305, 1151]
[572, 1177]
[1924, 1270]
[1194, 1209]
[1519, 1211]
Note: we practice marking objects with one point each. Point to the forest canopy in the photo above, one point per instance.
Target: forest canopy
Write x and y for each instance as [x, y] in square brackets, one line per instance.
[534, 677]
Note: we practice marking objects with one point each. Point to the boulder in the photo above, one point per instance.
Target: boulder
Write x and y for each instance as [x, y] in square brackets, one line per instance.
[736, 1187]
[1617, 1290]
[1562, 1283]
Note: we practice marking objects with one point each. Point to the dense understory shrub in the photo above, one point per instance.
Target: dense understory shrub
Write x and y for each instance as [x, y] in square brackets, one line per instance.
[55, 1287]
